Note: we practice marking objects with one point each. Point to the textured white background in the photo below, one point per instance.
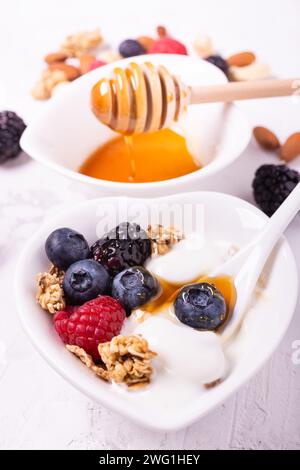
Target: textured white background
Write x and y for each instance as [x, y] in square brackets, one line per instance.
[38, 410]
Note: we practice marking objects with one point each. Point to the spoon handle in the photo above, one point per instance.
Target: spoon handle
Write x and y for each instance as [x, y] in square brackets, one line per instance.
[254, 257]
[243, 91]
[278, 223]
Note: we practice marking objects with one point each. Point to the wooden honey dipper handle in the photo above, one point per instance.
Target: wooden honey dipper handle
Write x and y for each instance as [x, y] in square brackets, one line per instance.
[243, 91]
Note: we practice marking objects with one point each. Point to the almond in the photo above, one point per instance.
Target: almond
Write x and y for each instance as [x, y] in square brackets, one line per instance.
[241, 59]
[146, 42]
[266, 138]
[85, 62]
[55, 57]
[70, 71]
[291, 148]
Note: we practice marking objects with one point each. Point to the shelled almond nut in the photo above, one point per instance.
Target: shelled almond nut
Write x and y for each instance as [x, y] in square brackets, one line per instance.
[241, 59]
[266, 138]
[55, 57]
[291, 147]
[70, 71]
[145, 41]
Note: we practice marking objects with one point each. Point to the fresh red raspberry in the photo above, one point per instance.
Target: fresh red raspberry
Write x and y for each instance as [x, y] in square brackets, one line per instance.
[167, 45]
[94, 322]
[95, 64]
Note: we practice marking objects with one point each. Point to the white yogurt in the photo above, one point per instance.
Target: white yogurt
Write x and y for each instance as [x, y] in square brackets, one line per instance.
[187, 359]
[183, 352]
[188, 260]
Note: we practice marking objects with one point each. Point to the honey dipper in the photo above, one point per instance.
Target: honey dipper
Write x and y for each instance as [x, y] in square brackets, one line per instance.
[144, 98]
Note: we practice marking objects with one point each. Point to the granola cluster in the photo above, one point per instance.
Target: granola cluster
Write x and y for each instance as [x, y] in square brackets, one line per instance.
[50, 294]
[77, 44]
[163, 238]
[88, 361]
[126, 359]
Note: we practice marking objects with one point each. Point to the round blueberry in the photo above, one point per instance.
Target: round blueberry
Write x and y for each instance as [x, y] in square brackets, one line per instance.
[134, 287]
[219, 62]
[64, 246]
[130, 48]
[85, 280]
[200, 306]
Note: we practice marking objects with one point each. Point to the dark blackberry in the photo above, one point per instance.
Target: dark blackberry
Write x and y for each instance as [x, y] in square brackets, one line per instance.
[123, 247]
[219, 62]
[271, 186]
[11, 129]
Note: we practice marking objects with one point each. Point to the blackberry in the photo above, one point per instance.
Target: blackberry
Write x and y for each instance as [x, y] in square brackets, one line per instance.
[271, 186]
[219, 62]
[123, 247]
[11, 129]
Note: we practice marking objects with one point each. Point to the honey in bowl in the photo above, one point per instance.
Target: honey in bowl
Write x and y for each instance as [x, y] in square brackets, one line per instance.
[141, 158]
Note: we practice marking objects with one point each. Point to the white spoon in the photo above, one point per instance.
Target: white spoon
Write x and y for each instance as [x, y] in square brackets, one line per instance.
[246, 266]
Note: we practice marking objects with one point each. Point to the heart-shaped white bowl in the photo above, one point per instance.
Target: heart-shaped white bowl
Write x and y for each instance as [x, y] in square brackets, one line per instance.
[66, 131]
[222, 217]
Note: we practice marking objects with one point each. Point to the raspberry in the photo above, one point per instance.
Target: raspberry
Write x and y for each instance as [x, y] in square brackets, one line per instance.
[167, 45]
[96, 63]
[94, 322]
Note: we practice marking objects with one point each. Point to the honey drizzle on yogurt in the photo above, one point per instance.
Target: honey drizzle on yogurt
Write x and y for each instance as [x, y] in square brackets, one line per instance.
[164, 302]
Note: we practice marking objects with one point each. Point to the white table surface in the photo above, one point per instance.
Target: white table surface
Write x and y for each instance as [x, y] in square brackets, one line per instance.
[38, 409]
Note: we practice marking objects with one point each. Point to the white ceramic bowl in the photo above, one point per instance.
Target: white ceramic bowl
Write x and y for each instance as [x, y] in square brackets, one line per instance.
[66, 131]
[225, 218]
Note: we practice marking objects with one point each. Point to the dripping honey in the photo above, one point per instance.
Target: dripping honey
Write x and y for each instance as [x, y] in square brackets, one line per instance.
[141, 158]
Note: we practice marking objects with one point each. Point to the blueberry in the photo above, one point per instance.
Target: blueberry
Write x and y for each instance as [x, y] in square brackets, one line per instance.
[134, 287]
[85, 280]
[64, 246]
[200, 306]
[219, 62]
[130, 47]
